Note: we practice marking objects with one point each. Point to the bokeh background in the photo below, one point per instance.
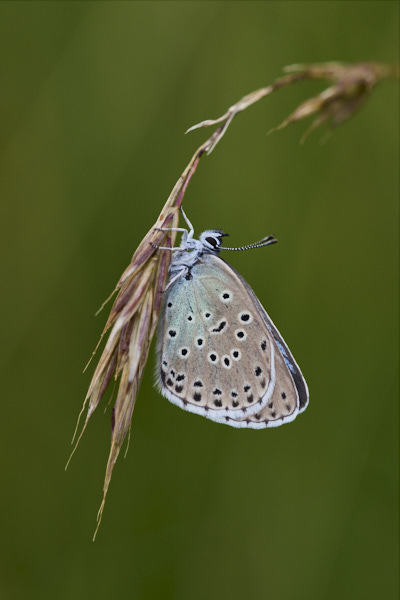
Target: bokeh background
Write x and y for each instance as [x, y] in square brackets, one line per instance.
[95, 99]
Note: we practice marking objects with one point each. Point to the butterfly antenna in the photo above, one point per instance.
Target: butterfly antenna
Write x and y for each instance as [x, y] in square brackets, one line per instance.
[264, 242]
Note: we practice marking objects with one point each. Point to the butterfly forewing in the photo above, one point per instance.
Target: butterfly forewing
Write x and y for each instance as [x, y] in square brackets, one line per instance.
[216, 352]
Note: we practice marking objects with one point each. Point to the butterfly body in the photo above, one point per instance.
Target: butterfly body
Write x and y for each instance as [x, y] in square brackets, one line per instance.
[219, 354]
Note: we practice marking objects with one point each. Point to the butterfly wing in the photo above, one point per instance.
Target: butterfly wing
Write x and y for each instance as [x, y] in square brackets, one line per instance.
[216, 353]
[290, 396]
[282, 407]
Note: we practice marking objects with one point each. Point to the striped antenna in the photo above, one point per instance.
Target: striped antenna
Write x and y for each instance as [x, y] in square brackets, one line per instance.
[264, 242]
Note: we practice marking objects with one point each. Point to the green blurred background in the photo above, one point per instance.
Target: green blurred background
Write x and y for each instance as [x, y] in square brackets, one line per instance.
[95, 99]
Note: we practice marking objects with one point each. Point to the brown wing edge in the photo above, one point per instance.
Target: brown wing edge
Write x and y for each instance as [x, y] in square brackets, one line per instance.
[294, 369]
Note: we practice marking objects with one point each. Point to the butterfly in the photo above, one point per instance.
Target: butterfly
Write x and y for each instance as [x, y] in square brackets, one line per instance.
[218, 353]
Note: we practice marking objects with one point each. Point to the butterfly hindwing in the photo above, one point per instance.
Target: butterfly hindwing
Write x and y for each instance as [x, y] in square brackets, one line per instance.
[290, 395]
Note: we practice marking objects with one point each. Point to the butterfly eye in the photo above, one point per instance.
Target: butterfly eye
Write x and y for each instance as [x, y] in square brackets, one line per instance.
[212, 239]
[214, 242]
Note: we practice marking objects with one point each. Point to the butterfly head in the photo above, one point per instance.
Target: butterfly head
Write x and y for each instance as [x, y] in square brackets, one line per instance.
[211, 240]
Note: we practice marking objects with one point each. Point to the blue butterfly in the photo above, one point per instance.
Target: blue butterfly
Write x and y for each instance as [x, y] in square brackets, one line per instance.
[219, 354]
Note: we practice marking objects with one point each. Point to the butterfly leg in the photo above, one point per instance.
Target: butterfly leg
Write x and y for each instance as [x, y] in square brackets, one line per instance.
[177, 276]
[170, 229]
[176, 248]
[191, 228]
[184, 237]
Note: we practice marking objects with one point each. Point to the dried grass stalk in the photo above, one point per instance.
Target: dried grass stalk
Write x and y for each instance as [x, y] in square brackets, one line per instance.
[352, 85]
[132, 323]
